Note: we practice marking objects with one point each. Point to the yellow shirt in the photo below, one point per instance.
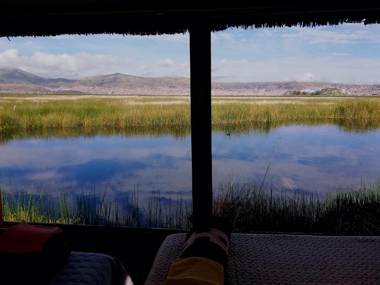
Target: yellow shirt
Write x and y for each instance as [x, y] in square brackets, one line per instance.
[195, 271]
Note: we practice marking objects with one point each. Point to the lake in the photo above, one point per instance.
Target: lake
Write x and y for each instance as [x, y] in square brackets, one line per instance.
[309, 159]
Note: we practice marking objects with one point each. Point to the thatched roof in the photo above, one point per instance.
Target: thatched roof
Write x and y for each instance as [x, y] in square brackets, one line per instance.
[53, 17]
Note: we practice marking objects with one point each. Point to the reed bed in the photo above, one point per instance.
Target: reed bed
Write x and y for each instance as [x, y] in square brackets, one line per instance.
[90, 115]
[251, 209]
[94, 208]
[117, 115]
[247, 206]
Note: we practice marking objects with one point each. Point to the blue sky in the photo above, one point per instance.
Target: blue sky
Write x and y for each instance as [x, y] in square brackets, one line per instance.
[348, 53]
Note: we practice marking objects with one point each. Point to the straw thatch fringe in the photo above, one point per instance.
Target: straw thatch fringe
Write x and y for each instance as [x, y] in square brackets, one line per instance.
[46, 17]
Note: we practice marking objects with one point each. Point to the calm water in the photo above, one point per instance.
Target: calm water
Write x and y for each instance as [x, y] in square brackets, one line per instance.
[318, 159]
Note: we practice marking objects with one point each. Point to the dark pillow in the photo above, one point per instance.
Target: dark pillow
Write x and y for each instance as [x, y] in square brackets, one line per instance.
[31, 254]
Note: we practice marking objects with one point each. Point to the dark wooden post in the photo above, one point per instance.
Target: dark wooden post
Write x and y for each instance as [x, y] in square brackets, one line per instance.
[1, 208]
[200, 98]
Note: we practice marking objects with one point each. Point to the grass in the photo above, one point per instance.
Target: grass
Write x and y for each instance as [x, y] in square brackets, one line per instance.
[357, 115]
[90, 115]
[95, 209]
[250, 209]
[128, 116]
[248, 206]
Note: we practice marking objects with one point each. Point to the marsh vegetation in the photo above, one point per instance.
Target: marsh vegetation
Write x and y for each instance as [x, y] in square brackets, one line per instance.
[353, 210]
[171, 115]
[249, 208]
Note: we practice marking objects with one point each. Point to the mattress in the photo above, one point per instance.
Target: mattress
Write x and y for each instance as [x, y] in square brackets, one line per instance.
[287, 259]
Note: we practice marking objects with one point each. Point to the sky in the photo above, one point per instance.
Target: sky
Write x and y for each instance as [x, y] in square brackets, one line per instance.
[348, 53]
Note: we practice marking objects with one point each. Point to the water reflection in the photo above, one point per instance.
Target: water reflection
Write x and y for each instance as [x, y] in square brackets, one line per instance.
[348, 125]
[100, 163]
[316, 159]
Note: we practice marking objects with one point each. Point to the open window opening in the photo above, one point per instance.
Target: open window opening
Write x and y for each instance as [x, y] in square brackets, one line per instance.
[296, 128]
[96, 130]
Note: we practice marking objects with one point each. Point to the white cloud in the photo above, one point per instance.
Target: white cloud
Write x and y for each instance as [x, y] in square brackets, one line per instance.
[166, 62]
[9, 56]
[267, 54]
[308, 76]
[332, 68]
[183, 38]
[300, 68]
[343, 34]
[54, 65]
[345, 53]
[86, 64]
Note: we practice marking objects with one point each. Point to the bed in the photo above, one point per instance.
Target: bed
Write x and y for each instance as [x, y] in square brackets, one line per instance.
[287, 259]
[84, 268]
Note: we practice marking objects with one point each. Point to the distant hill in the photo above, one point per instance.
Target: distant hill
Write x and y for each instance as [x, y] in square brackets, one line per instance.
[132, 85]
[14, 75]
[19, 81]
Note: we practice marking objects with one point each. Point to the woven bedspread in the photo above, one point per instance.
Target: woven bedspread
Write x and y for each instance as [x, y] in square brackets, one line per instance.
[90, 269]
[287, 259]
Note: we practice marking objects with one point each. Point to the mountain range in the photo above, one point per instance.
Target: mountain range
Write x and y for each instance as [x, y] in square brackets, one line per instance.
[14, 80]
